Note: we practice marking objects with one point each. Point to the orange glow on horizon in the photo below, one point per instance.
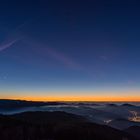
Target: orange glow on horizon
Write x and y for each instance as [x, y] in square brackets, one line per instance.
[123, 96]
[83, 98]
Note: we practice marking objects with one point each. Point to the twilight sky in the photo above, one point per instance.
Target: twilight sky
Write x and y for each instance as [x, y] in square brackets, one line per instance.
[70, 49]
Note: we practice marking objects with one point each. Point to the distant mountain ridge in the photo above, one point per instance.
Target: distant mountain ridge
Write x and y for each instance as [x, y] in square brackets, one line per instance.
[13, 104]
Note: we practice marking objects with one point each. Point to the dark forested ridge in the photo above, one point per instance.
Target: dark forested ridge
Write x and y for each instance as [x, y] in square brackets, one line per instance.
[55, 126]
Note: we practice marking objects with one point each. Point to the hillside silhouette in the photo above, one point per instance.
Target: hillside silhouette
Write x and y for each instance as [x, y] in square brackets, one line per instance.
[55, 126]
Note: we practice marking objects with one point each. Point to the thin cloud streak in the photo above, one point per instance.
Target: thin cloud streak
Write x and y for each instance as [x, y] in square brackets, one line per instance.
[44, 51]
[8, 44]
[12, 38]
[62, 58]
[52, 53]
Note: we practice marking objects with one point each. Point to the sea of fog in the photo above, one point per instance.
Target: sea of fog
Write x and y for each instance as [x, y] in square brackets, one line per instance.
[117, 115]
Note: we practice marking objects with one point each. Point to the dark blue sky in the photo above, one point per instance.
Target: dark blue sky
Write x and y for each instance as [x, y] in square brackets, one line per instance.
[70, 46]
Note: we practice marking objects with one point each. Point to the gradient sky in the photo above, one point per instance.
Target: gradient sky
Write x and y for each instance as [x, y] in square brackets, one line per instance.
[72, 49]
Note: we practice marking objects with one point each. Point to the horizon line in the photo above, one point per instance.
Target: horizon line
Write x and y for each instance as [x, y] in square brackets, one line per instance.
[20, 99]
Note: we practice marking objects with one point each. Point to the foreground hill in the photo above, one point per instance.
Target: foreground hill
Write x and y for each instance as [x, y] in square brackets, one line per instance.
[134, 130]
[55, 126]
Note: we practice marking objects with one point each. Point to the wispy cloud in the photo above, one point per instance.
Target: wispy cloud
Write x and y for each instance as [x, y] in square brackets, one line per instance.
[63, 58]
[8, 44]
[44, 50]
[13, 37]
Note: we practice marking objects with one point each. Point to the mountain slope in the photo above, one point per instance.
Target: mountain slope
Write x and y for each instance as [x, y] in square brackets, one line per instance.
[55, 126]
[134, 131]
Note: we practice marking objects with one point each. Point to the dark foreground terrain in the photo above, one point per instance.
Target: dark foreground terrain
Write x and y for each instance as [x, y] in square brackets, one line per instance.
[55, 126]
